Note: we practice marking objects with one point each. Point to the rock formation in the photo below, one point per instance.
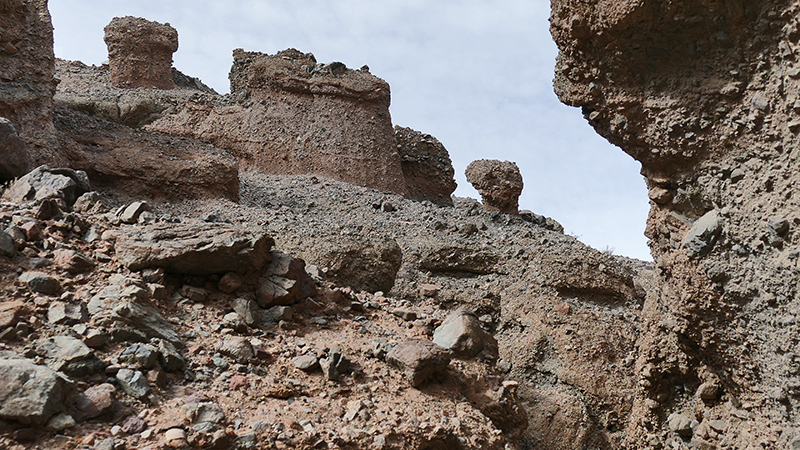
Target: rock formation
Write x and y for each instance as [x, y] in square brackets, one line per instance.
[289, 115]
[704, 95]
[27, 82]
[140, 52]
[14, 163]
[427, 169]
[498, 182]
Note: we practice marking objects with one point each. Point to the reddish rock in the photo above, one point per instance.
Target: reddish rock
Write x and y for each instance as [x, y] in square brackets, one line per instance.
[294, 116]
[498, 182]
[419, 360]
[72, 261]
[95, 401]
[31, 230]
[238, 382]
[11, 312]
[462, 334]
[140, 52]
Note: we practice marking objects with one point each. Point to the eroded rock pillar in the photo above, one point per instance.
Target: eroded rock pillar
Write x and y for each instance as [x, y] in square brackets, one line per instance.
[140, 52]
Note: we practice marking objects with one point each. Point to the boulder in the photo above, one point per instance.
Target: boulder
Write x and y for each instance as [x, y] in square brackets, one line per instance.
[133, 383]
[14, 162]
[69, 355]
[67, 184]
[462, 334]
[40, 282]
[72, 261]
[12, 312]
[419, 360]
[7, 247]
[194, 249]
[126, 304]
[285, 281]
[140, 52]
[29, 393]
[94, 401]
[498, 182]
[427, 169]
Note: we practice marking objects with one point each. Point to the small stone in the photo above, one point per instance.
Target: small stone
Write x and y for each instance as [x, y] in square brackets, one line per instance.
[133, 383]
[562, 308]
[195, 294]
[72, 261]
[238, 382]
[12, 312]
[462, 333]
[230, 282]
[131, 213]
[142, 356]
[95, 338]
[680, 424]
[419, 360]
[60, 422]
[176, 438]
[40, 282]
[95, 401]
[429, 290]
[405, 314]
[708, 391]
[279, 313]
[237, 347]
[248, 310]
[7, 246]
[168, 356]
[306, 362]
[32, 231]
[718, 425]
[134, 424]
[67, 313]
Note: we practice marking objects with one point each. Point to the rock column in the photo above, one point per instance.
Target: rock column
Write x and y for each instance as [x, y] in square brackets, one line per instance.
[140, 52]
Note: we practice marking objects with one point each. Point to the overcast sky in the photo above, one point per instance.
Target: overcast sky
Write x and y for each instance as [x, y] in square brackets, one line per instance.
[476, 74]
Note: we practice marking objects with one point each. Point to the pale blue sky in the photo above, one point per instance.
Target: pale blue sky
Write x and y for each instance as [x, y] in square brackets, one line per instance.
[475, 74]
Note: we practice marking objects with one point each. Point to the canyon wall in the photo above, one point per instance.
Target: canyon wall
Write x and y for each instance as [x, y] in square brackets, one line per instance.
[704, 95]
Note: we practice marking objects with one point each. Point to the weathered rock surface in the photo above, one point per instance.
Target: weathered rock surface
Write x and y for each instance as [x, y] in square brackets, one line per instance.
[30, 393]
[498, 182]
[28, 82]
[427, 169]
[462, 334]
[703, 95]
[289, 115]
[140, 52]
[419, 360]
[14, 163]
[141, 164]
[46, 182]
[194, 249]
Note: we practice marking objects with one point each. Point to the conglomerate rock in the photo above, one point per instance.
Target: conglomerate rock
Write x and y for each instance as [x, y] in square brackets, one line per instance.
[704, 95]
[427, 169]
[498, 182]
[289, 115]
[140, 52]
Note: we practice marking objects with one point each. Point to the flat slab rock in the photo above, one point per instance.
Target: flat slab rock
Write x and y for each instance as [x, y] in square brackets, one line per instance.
[194, 249]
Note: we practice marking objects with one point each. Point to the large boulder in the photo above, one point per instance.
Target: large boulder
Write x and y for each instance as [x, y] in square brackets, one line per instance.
[44, 182]
[194, 249]
[498, 182]
[29, 392]
[289, 115]
[140, 52]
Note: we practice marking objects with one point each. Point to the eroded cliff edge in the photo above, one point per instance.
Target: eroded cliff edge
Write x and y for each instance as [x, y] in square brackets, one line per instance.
[704, 95]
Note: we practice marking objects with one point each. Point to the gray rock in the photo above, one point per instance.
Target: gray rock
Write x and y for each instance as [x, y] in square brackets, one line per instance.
[67, 313]
[14, 162]
[69, 355]
[68, 184]
[133, 383]
[168, 356]
[125, 304]
[134, 424]
[278, 313]
[142, 356]
[419, 360]
[194, 249]
[7, 247]
[236, 347]
[40, 282]
[248, 310]
[306, 362]
[28, 392]
[72, 261]
[200, 412]
[131, 213]
[462, 333]
[335, 365]
[703, 234]
[680, 423]
[86, 202]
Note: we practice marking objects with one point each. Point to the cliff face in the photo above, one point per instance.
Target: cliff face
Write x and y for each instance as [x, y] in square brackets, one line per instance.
[704, 95]
[27, 69]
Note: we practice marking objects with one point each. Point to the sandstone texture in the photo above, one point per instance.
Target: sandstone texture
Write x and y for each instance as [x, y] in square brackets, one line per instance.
[498, 182]
[140, 52]
[27, 83]
[703, 94]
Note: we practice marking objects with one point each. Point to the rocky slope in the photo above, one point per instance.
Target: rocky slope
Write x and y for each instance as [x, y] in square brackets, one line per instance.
[703, 94]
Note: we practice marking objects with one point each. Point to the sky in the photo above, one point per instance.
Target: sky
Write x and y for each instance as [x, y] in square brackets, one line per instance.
[476, 74]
